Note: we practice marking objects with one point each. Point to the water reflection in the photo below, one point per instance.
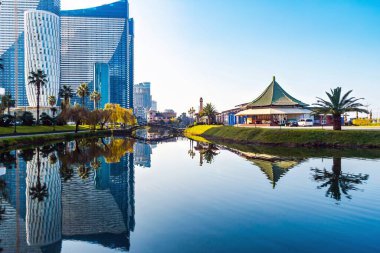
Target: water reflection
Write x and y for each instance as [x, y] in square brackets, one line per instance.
[207, 151]
[336, 182]
[81, 190]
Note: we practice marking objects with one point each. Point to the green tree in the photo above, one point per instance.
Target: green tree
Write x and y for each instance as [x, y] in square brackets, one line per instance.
[38, 79]
[76, 114]
[337, 105]
[65, 93]
[52, 100]
[95, 96]
[7, 102]
[83, 92]
[210, 111]
[27, 119]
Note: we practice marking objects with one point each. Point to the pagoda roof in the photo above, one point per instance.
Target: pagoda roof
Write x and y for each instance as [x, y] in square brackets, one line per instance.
[275, 95]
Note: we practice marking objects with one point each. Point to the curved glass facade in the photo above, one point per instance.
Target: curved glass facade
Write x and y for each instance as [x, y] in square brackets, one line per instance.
[12, 43]
[99, 35]
[42, 52]
[102, 34]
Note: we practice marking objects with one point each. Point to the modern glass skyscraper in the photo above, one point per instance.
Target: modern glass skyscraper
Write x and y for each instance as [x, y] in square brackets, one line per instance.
[103, 34]
[12, 43]
[42, 52]
[142, 100]
[100, 35]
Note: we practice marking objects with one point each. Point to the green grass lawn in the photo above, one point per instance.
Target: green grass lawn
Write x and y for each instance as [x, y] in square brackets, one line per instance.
[38, 129]
[291, 137]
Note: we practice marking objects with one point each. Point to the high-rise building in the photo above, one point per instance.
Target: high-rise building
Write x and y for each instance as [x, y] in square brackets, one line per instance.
[42, 52]
[100, 35]
[12, 78]
[88, 38]
[142, 100]
[154, 106]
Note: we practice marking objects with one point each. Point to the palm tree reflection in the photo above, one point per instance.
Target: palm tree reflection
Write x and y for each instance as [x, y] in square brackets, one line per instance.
[336, 182]
[39, 191]
[207, 152]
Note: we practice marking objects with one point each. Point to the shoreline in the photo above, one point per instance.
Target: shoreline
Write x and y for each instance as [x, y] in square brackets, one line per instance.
[35, 139]
[312, 138]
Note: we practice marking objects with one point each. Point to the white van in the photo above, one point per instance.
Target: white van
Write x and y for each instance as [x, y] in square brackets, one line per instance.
[305, 122]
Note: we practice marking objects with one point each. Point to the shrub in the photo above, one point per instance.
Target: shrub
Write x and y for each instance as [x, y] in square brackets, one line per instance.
[27, 119]
[6, 120]
[46, 120]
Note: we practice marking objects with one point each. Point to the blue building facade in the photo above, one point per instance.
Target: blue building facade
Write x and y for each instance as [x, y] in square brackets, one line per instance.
[102, 35]
[102, 83]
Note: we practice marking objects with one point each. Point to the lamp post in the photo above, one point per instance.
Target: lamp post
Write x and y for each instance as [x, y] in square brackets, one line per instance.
[15, 122]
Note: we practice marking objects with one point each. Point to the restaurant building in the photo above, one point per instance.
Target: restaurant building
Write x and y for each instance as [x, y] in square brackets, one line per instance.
[272, 108]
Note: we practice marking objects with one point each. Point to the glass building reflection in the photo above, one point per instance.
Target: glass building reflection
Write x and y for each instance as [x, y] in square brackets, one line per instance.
[98, 209]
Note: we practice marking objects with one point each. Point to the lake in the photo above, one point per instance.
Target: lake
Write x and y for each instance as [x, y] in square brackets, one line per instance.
[119, 195]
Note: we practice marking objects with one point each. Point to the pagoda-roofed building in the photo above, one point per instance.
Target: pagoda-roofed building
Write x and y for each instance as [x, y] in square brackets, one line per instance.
[273, 107]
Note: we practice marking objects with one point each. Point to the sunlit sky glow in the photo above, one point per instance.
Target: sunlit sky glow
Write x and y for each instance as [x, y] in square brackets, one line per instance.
[227, 51]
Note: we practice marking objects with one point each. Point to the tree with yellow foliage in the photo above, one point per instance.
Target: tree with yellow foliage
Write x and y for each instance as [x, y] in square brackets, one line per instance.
[120, 114]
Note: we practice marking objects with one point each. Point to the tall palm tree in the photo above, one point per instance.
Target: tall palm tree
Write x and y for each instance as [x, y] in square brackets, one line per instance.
[338, 105]
[66, 93]
[52, 100]
[38, 79]
[210, 111]
[83, 92]
[95, 96]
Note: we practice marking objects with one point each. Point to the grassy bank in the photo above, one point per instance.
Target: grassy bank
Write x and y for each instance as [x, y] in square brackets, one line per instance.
[289, 137]
[38, 129]
[27, 141]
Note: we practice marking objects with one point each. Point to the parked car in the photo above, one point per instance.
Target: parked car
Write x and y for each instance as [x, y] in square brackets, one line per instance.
[292, 123]
[306, 122]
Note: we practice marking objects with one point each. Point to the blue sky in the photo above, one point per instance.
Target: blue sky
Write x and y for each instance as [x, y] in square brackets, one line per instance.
[227, 51]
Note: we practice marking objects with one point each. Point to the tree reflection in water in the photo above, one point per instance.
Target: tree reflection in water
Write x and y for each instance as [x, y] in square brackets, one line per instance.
[337, 182]
[39, 191]
[207, 152]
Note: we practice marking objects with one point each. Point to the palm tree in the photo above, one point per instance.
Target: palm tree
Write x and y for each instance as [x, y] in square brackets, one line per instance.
[83, 92]
[7, 102]
[95, 96]
[66, 93]
[338, 105]
[52, 100]
[39, 191]
[210, 111]
[38, 79]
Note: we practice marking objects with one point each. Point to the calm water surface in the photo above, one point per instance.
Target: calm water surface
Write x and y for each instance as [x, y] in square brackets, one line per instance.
[116, 195]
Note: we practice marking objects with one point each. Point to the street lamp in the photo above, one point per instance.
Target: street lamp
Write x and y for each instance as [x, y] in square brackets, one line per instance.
[15, 122]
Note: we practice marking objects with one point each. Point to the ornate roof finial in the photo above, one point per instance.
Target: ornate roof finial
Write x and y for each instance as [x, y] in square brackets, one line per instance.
[274, 78]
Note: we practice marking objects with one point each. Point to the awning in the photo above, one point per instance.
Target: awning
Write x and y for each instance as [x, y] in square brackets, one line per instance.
[273, 111]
